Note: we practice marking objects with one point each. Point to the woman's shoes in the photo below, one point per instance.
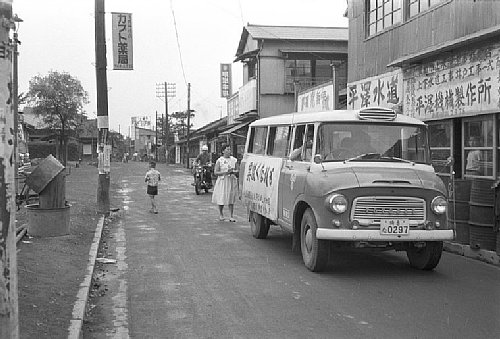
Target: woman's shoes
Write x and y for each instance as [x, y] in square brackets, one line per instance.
[222, 218]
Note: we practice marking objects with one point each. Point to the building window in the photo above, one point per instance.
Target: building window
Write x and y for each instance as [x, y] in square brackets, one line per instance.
[440, 135]
[417, 6]
[306, 73]
[381, 14]
[478, 146]
[251, 69]
[497, 133]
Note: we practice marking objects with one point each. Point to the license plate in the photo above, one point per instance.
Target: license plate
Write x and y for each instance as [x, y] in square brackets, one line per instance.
[395, 226]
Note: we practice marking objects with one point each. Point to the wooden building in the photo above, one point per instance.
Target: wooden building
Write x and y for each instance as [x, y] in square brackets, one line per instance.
[279, 61]
[437, 60]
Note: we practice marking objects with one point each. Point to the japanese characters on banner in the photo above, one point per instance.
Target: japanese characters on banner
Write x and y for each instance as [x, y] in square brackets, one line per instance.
[463, 83]
[141, 122]
[225, 81]
[260, 185]
[318, 99]
[122, 41]
[385, 90]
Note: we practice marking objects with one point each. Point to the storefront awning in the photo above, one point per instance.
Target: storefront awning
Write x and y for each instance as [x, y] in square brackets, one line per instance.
[449, 45]
[233, 129]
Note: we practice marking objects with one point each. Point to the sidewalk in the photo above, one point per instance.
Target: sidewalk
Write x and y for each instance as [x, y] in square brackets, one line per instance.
[490, 257]
[54, 274]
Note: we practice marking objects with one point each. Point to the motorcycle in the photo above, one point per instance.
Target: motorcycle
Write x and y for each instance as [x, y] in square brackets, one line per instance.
[203, 178]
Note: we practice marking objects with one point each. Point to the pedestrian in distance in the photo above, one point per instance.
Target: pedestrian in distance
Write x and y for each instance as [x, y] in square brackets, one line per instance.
[152, 179]
[226, 187]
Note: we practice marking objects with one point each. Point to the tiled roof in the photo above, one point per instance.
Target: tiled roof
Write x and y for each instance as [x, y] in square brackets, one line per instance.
[298, 32]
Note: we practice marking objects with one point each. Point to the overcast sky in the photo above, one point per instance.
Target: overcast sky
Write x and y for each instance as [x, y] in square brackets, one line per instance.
[59, 35]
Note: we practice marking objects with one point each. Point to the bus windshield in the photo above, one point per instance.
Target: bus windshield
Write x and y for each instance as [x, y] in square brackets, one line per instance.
[372, 142]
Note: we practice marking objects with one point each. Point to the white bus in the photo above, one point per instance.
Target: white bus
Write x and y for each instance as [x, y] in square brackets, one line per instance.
[346, 178]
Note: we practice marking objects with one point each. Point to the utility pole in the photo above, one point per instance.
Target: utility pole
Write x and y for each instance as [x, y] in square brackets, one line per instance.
[9, 322]
[164, 91]
[188, 122]
[156, 136]
[102, 110]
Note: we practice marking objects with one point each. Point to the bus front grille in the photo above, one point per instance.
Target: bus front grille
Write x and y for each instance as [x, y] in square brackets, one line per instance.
[372, 209]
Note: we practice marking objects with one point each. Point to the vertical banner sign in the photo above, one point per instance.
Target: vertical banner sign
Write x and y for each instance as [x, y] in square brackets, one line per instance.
[122, 41]
[225, 81]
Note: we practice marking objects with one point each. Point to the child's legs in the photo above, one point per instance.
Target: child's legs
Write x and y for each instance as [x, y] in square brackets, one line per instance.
[153, 202]
[221, 210]
[231, 208]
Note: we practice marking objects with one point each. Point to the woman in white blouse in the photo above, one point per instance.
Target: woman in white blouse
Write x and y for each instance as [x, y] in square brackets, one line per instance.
[226, 186]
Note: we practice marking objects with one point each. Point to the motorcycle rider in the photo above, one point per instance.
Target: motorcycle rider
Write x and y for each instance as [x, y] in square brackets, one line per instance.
[202, 159]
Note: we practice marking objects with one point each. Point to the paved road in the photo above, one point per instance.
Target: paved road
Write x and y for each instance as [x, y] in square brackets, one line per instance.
[184, 274]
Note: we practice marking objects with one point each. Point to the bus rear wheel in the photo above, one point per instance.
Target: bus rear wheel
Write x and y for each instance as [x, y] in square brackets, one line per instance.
[315, 252]
[259, 225]
[426, 257]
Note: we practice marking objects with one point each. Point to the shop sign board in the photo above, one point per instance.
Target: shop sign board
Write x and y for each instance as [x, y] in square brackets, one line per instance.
[141, 122]
[233, 108]
[465, 83]
[384, 90]
[248, 97]
[225, 81]
[122, 41]
[319, 98]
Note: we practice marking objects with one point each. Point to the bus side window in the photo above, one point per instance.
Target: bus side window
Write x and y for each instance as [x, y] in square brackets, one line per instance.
[250, 143]
[298, 141]
[257, 142]
[279, 139]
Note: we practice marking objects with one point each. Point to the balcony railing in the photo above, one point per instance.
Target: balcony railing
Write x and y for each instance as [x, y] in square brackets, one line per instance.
[303, 83]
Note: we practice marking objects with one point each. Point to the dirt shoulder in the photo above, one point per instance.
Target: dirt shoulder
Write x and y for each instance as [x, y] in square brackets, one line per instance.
[50, 270]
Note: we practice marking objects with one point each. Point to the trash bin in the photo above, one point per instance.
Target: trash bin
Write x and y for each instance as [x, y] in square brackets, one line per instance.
[51, 217]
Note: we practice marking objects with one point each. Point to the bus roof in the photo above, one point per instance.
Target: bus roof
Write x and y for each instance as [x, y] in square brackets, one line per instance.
[334, 116]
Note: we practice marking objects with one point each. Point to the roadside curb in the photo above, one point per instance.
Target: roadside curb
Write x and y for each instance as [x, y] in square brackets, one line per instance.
[490, 257]
[78, 314]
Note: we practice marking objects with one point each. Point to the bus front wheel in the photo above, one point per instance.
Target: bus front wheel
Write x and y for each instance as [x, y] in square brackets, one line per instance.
[314, 251]
[259, 225]
[426, 257]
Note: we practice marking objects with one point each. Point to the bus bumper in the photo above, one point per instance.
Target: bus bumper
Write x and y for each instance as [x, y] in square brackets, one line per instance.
[374, 235]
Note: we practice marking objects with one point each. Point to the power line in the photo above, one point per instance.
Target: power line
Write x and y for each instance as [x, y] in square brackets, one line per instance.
[178, 44]
[241, 13]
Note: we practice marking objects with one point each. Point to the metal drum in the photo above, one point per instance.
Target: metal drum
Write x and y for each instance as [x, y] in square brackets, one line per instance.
[482, 214]
[458, 210]
[43, 174]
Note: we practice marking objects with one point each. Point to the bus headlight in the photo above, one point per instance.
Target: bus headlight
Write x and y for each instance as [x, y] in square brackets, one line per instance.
[439, 205]
[337, 203]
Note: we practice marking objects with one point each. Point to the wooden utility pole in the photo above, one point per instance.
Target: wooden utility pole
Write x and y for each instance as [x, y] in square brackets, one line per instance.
[188, 122]
[156, 136]
[165, 131]
[9, 322]
[102, 110]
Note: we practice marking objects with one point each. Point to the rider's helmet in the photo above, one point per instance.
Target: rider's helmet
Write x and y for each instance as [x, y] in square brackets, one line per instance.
[204, 148]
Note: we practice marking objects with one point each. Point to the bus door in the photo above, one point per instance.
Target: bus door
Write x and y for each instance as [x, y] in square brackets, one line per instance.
[295, 170]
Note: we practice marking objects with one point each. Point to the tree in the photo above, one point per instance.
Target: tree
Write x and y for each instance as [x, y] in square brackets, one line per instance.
[180, 124]
[59, 98]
